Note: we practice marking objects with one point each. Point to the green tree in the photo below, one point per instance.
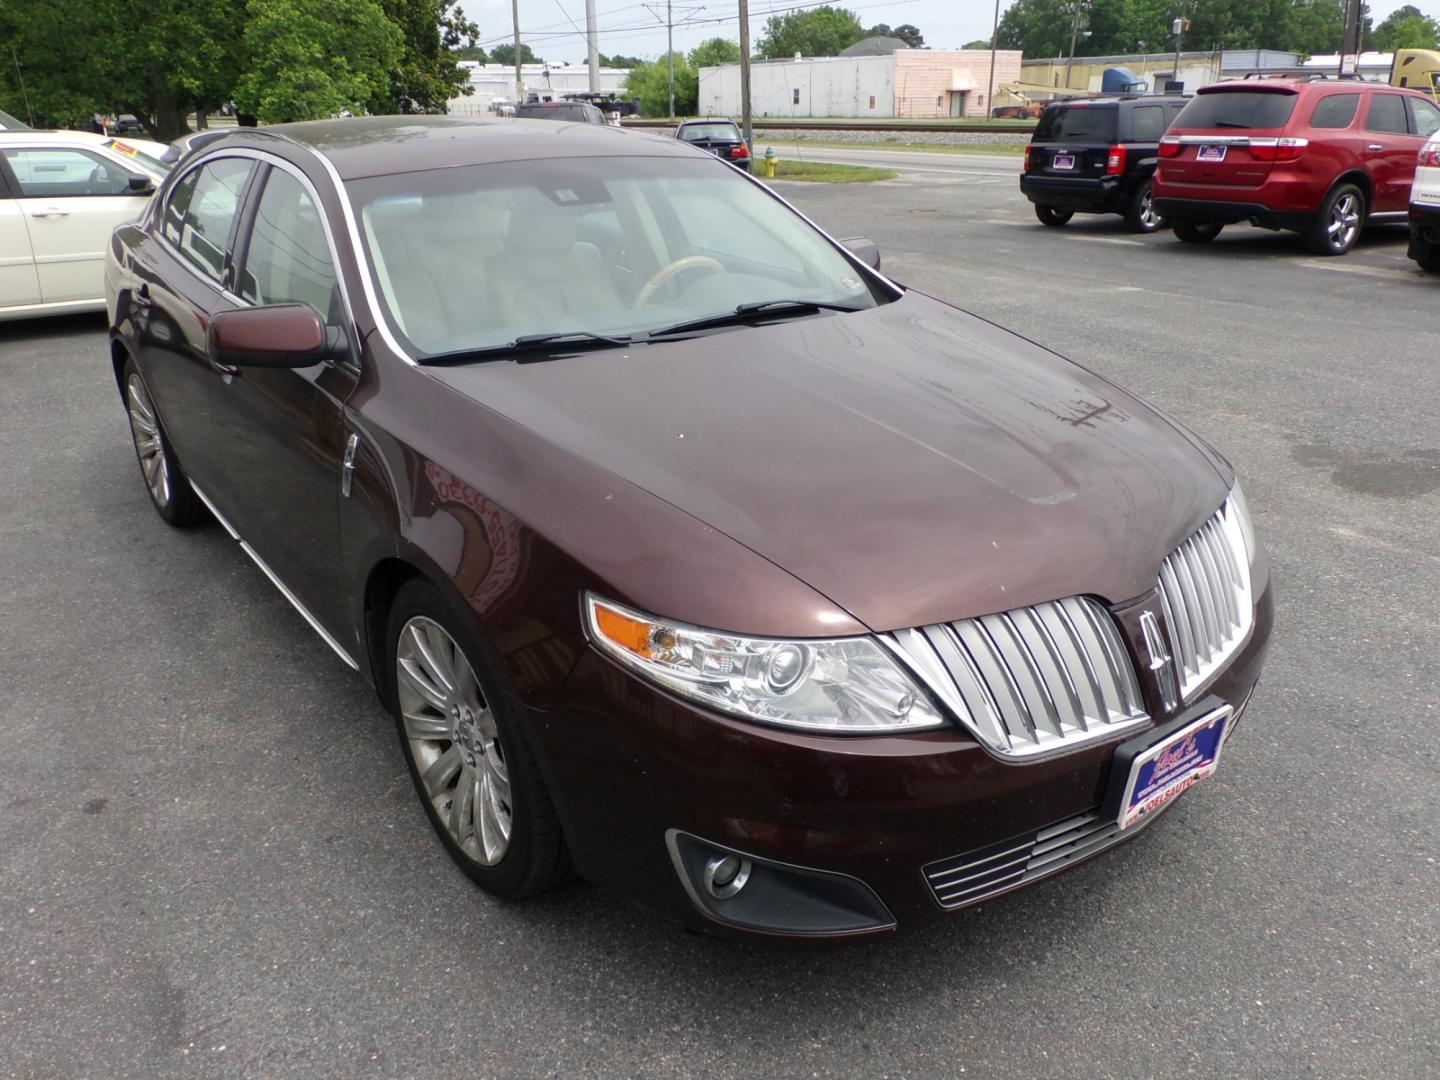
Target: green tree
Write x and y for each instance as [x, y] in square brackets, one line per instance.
[426, 77]
[310, 59]
[713, 53]
[649, 84]
[505, 54]
[1406, 28]
[821, 31]
[472, 52]
[618, 61]
[158, 60]
[910, 35]
[978, 43]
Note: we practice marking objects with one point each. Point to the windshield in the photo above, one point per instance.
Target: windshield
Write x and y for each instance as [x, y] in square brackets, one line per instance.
[478, 256]
[148, 162]
[9, 123]
[1076, 123]
[1241, 109]
[697, 132]
[555, 112]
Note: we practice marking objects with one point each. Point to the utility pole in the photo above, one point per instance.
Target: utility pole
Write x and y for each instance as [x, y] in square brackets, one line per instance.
[519, 82]
[745, 75]
[591, 47]
[1077, 8]
[1350, 42]
[1180, 24]
[994, 33]
[670, 53]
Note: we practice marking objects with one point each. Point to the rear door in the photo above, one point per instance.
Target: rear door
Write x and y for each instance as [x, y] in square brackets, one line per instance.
[71, 199]
[19, 287]
[1073, 141]
[1390, 151]
[1214, 134]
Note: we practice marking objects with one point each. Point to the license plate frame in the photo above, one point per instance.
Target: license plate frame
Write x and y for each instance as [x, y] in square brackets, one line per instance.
[1151, 771]
[1063, 162]
[1211, 153]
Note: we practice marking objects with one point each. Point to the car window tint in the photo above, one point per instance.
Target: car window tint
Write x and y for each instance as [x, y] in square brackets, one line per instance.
[1387, 114]
[58, 173]
[1335, 111]
[1240, 109]
[1076, 123]
[288, 260]
[696, 132]
[1148, 123]
[1424, 117]
[200, 226]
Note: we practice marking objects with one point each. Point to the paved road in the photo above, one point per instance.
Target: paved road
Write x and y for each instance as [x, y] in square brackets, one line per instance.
[919, 163]
[212, 864]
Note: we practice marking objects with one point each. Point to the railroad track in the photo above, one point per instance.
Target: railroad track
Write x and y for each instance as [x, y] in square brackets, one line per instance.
[821, 125]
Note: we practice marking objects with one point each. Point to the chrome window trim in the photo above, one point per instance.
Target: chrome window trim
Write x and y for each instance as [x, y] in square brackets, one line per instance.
[163, 208]
[295, 602]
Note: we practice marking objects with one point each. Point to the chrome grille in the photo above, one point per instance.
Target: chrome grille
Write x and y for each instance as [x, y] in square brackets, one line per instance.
[1031, 681]
[1205, 596]
[978, 875]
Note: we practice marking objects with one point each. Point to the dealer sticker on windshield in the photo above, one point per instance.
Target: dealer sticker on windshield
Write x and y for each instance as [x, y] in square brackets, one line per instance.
[1172, 765]
[1210, 153]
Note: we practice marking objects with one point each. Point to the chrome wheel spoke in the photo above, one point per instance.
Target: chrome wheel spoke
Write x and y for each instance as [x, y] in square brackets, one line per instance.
[149, 448]
[498, 775]
[425, 727]
[462, 807]
[443, 770]
[413, 676]
[434, 655]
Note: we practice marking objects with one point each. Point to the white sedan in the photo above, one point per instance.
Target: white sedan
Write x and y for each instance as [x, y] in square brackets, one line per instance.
[61, 195]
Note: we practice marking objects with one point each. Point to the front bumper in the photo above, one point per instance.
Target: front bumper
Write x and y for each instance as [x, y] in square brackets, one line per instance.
[629, 765]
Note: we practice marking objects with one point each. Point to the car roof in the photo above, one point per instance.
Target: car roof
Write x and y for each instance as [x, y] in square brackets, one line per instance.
[362, 146]
[58, 136]
[1301, 83]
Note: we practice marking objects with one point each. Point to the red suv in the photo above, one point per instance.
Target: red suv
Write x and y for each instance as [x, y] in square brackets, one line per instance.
[1320, 157]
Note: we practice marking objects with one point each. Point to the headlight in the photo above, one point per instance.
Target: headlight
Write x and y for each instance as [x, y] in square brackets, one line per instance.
[840, 686]
[1242, 518]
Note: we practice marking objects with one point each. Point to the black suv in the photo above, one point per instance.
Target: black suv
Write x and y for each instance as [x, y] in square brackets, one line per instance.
[1097, 156]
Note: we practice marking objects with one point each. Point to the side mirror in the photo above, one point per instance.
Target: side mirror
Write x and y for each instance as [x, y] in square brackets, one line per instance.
[865, 250]
[140, 184]
[280, 336]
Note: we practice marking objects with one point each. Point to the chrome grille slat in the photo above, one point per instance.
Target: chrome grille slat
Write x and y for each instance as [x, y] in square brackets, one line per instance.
[1205, 597]
[1031, 681]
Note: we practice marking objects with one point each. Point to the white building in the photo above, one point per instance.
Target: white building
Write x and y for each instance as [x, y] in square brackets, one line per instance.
[909, 83]
[549, 82]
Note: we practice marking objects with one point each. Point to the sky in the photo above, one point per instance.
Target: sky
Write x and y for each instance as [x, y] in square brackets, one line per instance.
[555, 28]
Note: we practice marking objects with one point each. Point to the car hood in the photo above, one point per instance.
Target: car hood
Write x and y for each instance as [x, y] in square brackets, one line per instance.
[913, 463]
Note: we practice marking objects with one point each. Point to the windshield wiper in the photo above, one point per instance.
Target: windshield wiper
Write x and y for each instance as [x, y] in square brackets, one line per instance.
[1233, 124]
[745, 312]
[580, 339]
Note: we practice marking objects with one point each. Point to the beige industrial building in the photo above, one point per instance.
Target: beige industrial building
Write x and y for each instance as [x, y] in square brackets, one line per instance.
[908, 83]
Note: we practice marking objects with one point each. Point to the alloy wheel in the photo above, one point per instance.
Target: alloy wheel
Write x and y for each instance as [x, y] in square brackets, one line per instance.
[1148, 218]
[1344, 222]
[451, 734]
[149, 447]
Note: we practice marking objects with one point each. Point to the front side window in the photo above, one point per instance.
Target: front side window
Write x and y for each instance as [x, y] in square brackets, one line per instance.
[1387, 115]
[201, 212]
[288, 260]
[477, 256]
[1424, 117]
[60, 173]
[1148, 122]
[1335, 111]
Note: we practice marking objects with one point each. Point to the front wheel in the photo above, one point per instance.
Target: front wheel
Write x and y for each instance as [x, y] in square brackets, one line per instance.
[1337, 226]
[1140, 216]
[1048, 215]
[170, 491]
[470, 763]
[1196, 232]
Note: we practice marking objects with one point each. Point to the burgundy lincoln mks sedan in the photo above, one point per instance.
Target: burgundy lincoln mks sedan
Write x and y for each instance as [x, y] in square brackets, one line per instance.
[686, 548]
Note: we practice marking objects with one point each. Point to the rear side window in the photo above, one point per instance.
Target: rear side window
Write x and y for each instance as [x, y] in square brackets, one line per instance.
[1076, 123]
[1335, 111]
[1240, 109]
[1148, 122]
[1424, 117]
[1387, 115]
[201, 212]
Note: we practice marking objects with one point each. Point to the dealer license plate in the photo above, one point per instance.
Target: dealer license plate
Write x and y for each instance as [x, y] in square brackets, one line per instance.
[1177, 761]
[1063, 161]
[1211, 153]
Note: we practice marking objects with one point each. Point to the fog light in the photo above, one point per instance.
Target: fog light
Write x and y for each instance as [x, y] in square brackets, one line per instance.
[726, 875]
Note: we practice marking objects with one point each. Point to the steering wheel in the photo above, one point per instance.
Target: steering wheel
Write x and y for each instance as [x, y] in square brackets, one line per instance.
[665, 273]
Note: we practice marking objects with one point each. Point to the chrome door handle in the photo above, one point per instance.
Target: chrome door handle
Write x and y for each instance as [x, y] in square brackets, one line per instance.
[347, 467]
[1375, 147]
[50, 211]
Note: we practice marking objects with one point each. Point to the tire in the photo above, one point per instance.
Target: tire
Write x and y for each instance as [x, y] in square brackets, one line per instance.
[1338, 222]
[1196, 232]
[472, 768]
[170, 491]
[1048, 215]
[1140, 216]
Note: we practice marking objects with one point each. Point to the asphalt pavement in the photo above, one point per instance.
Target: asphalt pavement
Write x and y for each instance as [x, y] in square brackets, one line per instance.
[212, 862]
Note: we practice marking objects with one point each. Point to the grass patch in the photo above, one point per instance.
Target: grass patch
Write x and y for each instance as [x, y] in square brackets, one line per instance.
[789, 169]
[798, 146]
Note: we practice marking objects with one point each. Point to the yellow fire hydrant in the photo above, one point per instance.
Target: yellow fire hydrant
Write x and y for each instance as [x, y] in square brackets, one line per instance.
[770, 162]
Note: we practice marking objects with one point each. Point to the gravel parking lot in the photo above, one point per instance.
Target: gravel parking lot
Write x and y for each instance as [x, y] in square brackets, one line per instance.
[212, 861]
